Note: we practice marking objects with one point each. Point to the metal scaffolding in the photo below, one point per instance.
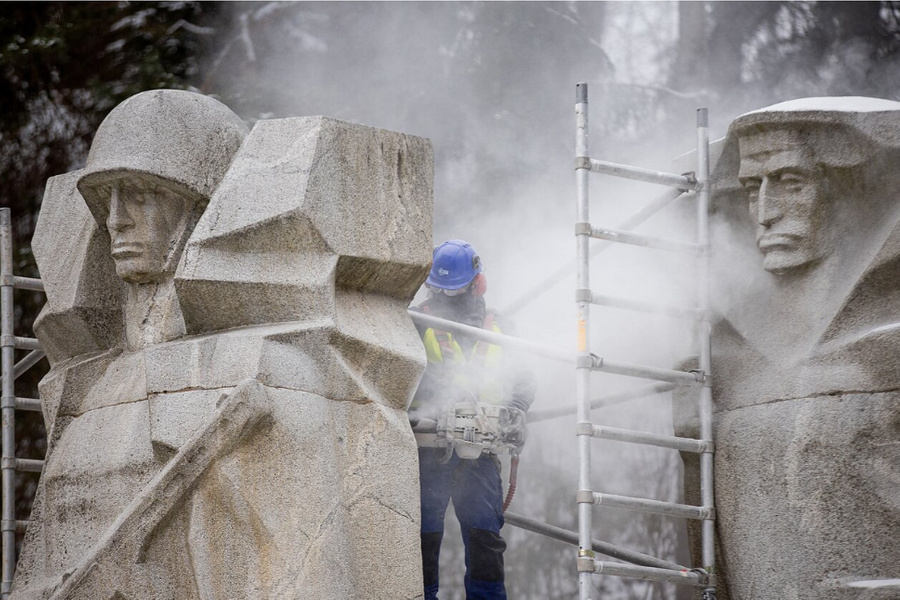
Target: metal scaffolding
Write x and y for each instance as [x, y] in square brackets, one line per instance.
[9, 403]
[586, 498]
[695, 185]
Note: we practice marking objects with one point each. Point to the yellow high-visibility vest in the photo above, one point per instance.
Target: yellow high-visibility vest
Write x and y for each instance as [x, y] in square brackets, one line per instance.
[479, 372]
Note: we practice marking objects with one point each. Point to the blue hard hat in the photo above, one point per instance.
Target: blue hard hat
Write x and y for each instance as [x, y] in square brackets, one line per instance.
[455, 264]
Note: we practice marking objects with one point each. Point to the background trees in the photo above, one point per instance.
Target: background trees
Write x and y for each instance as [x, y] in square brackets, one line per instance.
[491, 85]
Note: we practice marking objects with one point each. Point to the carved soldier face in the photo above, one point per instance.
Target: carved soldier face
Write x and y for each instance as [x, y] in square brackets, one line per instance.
[146, 224]
[786, 193]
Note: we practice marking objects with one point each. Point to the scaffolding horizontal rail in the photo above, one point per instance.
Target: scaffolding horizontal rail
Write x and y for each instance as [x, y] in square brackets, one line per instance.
[28, 283]
[637, 239]
[677, 312]
[494, 338]
[681, 182]
[604, 548]
[29, 404]
[20, 343]
[686, 577]
[645, 438]
[21, 526]
[632, 394]
[597, 363]
[669, 509]
[28, 465]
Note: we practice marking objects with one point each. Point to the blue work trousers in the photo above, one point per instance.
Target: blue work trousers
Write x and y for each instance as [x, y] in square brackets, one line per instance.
[475, 487]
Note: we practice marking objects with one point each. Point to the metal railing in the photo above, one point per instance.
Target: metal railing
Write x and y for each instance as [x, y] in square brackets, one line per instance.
[586, 498]
[9, 403]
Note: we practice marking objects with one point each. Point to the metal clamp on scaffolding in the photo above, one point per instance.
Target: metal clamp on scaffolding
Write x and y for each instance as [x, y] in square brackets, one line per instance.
[591, 361]
[702, 376]
[584, 428]
[584, 497]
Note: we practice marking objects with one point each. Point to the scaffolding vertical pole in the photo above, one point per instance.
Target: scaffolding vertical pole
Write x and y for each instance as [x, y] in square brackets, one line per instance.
[706, 406]
[583, 366]
[7, 404]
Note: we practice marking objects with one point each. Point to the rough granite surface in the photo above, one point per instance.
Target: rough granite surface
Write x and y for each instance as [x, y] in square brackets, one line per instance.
[227, 420]
[806, 247]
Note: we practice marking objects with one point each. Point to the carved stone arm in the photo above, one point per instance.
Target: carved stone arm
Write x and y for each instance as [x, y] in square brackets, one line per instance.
[107, 567]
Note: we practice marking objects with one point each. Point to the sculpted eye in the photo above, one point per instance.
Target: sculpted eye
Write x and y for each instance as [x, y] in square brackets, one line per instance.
[792, 181]
[139, 195]
[751, 187]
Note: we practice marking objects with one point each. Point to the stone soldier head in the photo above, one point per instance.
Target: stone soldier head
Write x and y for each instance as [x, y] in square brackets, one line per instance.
[152, 167]
[803, 167]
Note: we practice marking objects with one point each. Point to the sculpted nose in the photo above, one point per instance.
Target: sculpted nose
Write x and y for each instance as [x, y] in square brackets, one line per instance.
[118, 217]
[768, 207]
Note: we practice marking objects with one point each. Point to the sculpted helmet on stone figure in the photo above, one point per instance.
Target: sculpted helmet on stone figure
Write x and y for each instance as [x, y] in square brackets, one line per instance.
[153, 165]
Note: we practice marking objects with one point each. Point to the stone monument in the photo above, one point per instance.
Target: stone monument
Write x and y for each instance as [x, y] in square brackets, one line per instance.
[806, 359]
[231, 360]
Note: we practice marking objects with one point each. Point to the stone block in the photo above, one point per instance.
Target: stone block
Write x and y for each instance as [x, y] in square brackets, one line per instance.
[310, 205]
[815, 506]
[83, 313]
[234, 425]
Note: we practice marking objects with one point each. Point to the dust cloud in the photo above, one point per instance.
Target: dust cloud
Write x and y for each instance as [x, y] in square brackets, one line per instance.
[492, 86]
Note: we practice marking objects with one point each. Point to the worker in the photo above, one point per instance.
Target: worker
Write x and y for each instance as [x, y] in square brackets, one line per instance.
[461, 368]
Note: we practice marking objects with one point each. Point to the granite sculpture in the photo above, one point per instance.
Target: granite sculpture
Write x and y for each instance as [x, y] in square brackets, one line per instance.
[231, 360]
[806, 374]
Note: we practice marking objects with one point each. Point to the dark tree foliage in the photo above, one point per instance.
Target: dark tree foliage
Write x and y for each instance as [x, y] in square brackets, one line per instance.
[63, 67]
[744, 55]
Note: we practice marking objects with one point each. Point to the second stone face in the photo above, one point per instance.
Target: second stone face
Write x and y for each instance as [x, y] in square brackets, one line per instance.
[806, 260]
